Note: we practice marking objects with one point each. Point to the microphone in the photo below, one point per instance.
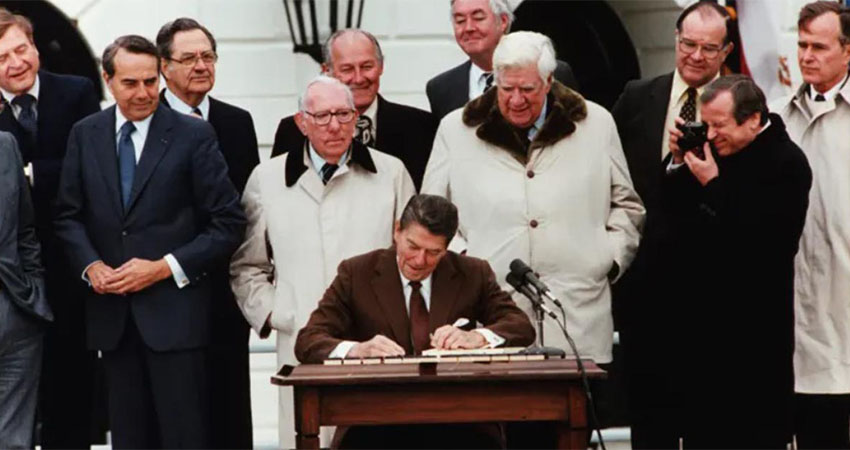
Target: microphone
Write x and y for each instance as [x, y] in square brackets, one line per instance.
[517, 282]
[522, 271]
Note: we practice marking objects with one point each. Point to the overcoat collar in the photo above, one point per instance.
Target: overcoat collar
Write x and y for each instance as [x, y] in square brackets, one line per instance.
[295, 166]
[566, 108]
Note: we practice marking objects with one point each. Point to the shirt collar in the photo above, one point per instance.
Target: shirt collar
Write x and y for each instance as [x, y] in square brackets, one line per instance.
[538, 124]
[33, 91]
[475, 72]
[142, 126]
[680, 87]
[180, 106]
[319, 162]
[405, 283]
[831, 93]
[372, 111]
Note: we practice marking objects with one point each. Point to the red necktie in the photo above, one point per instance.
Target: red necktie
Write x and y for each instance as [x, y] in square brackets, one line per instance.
[418, 319]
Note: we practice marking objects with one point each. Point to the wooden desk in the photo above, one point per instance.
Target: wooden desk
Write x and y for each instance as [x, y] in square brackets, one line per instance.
[440, 393]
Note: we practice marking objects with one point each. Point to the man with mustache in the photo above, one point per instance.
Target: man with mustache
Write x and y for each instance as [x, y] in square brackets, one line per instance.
[645, 113]
[478, 26]
[187, 53]
[818, 116]
[355, 57]
[39, 108]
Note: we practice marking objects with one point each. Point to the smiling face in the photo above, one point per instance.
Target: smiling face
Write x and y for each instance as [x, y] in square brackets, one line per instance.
[823, 58]
[521, 95]
[188, 80]
[19, 61]
[418, 250]
[707, 31]
[727, 136]
[135, 84]
[477, 30]
[332, 139]
[355, 63]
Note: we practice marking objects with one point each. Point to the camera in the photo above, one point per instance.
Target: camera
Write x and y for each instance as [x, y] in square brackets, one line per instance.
[694, 136]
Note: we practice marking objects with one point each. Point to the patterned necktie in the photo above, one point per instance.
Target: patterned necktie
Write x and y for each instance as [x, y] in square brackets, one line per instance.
[126, 161]
[488, 80]
[689, 109]
[820, 98]
[328, 171]
[27, 117]
[364, 131]
[418, 319]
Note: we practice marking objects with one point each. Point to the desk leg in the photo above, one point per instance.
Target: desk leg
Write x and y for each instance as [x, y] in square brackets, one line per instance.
[306, 417]
[573, 433]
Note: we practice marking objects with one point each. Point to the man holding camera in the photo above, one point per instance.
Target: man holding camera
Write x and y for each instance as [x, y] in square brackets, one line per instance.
[731, 216]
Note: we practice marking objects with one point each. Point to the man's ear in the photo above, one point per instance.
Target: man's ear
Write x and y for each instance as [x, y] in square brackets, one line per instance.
[299, 122]
[163, 68]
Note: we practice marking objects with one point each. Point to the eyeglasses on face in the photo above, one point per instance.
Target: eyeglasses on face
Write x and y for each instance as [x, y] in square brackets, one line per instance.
[190, 60]
[324, 117]
[709, 51]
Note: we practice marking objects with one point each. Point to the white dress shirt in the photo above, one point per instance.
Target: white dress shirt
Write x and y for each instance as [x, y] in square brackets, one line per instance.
[180, 106]
[477, 81]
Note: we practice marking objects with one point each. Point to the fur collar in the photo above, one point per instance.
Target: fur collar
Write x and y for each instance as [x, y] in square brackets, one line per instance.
[566, 108]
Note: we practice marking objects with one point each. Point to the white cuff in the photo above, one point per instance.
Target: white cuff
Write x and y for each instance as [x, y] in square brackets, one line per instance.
[86, 277]
[342, 349]
[493, 339]
[673, 166]
[176, 271]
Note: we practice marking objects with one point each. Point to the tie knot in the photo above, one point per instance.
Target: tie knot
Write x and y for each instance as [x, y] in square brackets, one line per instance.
[197, 112]
[820, 98]
[692, 93]
[488, 79]
[328, 171]
[415, 285]
[127, 128]
[24, 100]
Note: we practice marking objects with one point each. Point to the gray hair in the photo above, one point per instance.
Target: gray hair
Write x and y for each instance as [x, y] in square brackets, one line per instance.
[498, 7]
[327, 57]
[304, 98]
[524, 48]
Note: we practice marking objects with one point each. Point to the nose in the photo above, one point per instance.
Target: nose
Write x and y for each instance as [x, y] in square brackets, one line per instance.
[334, 124]
[806, 53]
[14, 59]
[358, 76]
[468, 26]
[200, 65]
[516, 99]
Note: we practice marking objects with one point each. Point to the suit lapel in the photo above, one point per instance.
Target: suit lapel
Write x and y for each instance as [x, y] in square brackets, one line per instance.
[656, 115]
[389, 295]
[384, 124]
[104, 142]
[460, 89]
[445, 285]
[49, 106]
[156, 143]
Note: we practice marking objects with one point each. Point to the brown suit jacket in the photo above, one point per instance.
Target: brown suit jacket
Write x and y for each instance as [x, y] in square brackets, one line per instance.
[366, 298]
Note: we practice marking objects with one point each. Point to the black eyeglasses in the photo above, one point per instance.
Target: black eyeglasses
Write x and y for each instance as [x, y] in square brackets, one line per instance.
[324, 117]
[191, 60]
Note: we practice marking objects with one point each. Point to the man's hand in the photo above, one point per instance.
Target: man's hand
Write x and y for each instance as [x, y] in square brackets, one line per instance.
[137, 274]
[675, 134]
[704, 170]
[448, 337]
[98, 274]
[377, 346]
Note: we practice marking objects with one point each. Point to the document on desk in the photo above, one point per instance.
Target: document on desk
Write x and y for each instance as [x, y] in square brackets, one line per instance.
[474, 351]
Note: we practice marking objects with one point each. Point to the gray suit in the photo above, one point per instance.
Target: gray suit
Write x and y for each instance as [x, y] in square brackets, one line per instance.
[23, 306]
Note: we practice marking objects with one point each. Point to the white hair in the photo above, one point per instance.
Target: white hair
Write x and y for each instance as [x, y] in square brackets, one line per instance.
[522, 49]
[304, 98]
[497, 7]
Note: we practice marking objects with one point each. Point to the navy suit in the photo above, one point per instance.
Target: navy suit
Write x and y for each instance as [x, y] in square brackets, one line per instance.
[230, 378]
[181, 203]
[66, 414]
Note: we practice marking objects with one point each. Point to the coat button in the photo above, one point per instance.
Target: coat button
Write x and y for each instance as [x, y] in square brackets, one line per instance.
[124, 233]
[533, 223]
[530, 173]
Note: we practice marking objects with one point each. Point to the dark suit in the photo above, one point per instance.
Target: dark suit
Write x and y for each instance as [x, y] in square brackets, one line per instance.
[66, 414]
[402, 131]
[449, 90]
[366, 298]
[181, 203]
[24, 311]
[230, 380]
[643, 322]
